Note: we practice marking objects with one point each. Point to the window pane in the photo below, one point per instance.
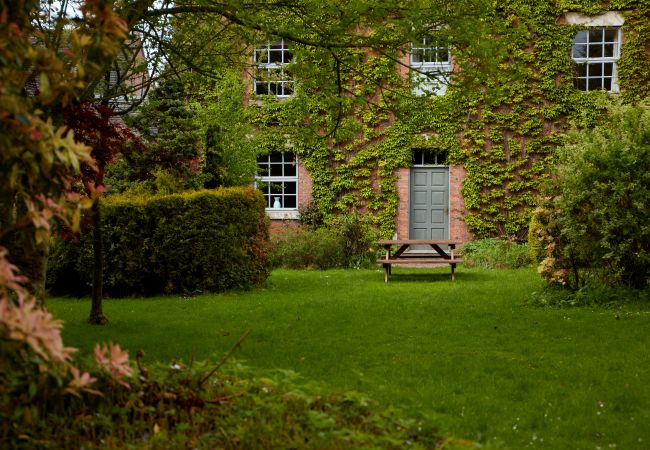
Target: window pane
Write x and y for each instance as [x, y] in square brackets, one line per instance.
[608, 50]
[284, 88]
[429, 157]
[276, 157]
[596, 34]
[289, 170]
[608, 69]
[290, 187]
[418, 157]
[579, 51]
[611, 35]
[581, 37]
[261, 88]
[276, 170]
[607, 84]
[580, 70]
[275, 57]
[594, 84]
[595, 50]
[580, 83]
[290, 201]
[417, 55]
[595, 70]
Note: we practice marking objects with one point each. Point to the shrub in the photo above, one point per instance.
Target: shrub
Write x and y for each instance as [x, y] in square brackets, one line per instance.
[358, 236]
[190, 242]
[346, 242]
[495, 254]
[595, 218]
[38, 376]
[311, 216]
[306, 248]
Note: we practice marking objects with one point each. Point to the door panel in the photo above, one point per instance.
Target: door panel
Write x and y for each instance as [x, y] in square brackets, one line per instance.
[429, 215]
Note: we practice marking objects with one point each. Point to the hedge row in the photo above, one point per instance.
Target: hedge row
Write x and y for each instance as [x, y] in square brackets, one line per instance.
[202, 241]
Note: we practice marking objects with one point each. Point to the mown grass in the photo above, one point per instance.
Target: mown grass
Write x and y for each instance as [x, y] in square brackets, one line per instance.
[466, 354]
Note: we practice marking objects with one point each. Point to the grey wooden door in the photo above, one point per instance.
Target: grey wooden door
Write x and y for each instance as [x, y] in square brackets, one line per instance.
[429, 215]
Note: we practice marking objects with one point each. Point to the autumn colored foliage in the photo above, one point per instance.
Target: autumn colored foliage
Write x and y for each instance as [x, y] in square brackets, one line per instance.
[97, 126]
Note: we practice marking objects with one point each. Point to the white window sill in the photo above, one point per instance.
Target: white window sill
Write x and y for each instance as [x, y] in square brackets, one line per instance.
[283, 214]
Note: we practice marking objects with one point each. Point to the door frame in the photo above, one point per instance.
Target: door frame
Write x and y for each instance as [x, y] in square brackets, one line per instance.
[444, 168]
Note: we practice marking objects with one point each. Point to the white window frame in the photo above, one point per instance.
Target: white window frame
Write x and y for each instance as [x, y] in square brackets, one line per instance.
[595, 77]
[270, 60]
[266, 181]
[431, 66]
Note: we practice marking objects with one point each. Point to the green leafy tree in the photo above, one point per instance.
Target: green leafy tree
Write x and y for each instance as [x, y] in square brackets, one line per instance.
[174, 142]
[595, 223]
[221, 116]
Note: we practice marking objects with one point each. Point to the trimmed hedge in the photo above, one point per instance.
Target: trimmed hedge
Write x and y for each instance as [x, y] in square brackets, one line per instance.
[200, 241]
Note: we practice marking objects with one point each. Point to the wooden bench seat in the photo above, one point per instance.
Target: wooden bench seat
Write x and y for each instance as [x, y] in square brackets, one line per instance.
[423, 261]
[415, 260]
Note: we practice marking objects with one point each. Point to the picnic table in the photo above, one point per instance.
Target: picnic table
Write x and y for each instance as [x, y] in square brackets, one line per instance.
[419, 252]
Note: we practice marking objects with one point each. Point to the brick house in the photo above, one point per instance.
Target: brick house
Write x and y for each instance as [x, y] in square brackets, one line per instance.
[432, 190]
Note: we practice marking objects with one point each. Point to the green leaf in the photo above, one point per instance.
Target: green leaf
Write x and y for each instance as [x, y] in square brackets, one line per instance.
[44, 84]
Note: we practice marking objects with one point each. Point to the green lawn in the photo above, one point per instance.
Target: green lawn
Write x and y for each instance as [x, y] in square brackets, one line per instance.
[467, 354]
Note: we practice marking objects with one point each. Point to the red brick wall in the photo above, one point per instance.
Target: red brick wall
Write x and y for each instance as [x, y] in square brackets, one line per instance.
[305, 184]
[457, 228]
[403, 194]
[279, 227]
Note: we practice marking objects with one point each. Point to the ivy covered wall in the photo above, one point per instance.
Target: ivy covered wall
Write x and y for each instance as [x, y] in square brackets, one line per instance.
[355, 131]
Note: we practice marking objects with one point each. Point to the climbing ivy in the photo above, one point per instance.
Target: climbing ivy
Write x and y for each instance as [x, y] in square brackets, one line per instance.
[356, 123]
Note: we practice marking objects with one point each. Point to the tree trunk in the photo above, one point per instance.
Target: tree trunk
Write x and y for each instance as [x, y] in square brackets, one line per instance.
[96, 313]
